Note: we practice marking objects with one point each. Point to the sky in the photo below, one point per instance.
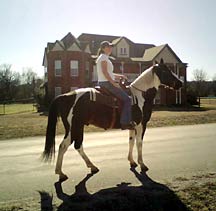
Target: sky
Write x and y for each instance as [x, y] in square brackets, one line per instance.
[188, 26]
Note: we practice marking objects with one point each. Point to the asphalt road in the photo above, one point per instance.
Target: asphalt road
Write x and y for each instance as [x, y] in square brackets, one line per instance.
[169, 152]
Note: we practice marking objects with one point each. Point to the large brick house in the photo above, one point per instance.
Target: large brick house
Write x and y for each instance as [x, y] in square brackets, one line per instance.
[69, 63]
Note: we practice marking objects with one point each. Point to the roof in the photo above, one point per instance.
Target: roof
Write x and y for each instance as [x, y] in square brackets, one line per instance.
[138, 52]
[136, 49]
[151, 53]
[139, 49]
[116, 41]
[94, 40]
[68, 40]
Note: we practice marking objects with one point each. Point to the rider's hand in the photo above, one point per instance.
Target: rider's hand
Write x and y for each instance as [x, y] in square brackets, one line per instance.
[116, 85]
[125, 77]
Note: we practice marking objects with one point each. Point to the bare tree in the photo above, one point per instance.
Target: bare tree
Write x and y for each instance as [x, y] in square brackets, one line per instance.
[200, 76]
[29, 78]
[9, 82]
[28, 75]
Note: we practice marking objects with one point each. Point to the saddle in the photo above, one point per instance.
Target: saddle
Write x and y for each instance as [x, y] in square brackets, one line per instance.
[108, 98]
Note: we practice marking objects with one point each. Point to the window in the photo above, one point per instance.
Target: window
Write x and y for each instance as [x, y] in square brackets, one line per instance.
[87, 70]
[58, 91]
[57, 67]
[182, 78]
[123, 51]
[74, 64]
[94, 74]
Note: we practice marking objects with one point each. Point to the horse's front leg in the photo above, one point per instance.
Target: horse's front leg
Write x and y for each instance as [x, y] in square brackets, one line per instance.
[62, 149]
[139, 143]
[89, 164]
[131, 146]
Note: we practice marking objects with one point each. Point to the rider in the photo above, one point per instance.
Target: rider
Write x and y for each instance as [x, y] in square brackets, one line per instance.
[106, 79]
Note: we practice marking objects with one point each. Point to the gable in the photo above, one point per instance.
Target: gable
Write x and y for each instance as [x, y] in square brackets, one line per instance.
[168, 55]
[74, 47]
[57, 47]
[158, 52]
[151, 53]
[122, 49]
[68, 40]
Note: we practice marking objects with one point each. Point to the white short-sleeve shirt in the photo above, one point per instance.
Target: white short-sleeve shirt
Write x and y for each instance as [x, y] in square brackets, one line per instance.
[101, 77]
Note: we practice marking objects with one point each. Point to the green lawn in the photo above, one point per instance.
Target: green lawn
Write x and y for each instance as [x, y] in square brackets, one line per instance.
[20, 121]
[16, 108]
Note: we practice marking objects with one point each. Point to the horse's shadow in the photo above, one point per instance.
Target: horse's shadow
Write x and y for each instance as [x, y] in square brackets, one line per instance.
[150, 196]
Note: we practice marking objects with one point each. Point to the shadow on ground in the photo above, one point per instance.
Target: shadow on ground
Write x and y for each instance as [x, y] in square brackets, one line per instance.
[150, 196]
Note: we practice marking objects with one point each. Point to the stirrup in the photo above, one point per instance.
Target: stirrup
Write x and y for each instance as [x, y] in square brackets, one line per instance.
[130, 126]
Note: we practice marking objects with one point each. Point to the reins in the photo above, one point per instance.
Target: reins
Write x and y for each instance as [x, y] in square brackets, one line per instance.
[137, 88]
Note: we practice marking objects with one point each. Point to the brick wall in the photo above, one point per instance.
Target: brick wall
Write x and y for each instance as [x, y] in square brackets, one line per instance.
[66, 81]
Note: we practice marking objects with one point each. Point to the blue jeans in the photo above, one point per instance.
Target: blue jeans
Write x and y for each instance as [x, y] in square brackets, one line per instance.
[123, 96]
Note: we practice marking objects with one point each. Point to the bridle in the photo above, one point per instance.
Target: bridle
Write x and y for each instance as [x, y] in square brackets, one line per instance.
[137, 88]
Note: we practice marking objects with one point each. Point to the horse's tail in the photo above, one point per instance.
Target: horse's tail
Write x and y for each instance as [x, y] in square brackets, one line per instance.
[49, 150]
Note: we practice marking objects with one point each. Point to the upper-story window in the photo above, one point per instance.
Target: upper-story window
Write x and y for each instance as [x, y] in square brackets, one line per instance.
[58, 68]
[87, 67]
[74, 67]
[123, 51]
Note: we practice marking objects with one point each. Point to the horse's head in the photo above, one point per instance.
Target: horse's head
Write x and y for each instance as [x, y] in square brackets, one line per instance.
[166, 76]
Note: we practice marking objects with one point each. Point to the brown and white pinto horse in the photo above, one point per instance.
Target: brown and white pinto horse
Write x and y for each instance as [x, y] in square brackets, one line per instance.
[81, 107]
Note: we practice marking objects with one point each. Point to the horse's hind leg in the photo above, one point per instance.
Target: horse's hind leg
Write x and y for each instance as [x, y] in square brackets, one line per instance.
[131, 146]
[89, 164]
[62, 149]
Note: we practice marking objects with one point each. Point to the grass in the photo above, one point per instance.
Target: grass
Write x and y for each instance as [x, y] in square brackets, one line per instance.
[16, 108]
[20, 123]
[198, 193]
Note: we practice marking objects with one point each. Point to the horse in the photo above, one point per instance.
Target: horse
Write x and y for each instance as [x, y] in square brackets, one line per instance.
[83, 107]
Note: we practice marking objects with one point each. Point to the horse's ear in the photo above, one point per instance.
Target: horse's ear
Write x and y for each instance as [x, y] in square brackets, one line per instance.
[161, 61]
[154, 69]
[155, 62]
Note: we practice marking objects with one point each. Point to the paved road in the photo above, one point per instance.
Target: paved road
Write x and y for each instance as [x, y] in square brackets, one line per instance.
[169, 152]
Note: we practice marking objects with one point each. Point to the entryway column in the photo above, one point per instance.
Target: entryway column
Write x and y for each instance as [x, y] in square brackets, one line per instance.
[140, 67]
[122, 67]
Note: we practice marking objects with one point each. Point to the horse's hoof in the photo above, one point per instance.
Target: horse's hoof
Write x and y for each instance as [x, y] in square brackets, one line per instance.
[63, 177]
[144, 168]
[94, 170]
[133, 165]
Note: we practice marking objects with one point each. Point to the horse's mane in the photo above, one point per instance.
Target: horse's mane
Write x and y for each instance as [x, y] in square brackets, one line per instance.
[146, 80]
